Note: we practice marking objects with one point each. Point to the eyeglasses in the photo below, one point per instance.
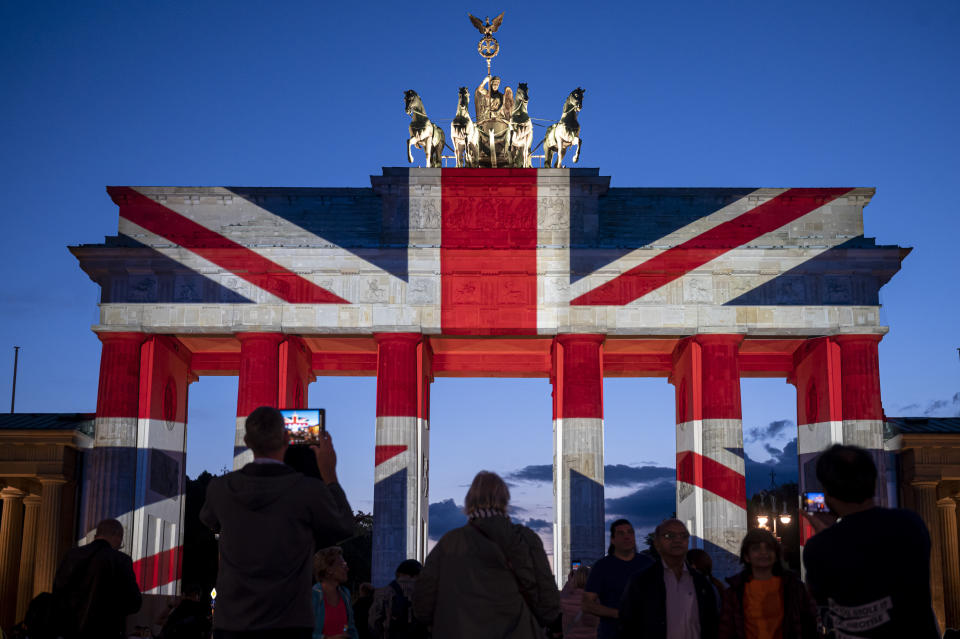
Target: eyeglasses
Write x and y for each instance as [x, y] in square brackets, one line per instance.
[675, 535]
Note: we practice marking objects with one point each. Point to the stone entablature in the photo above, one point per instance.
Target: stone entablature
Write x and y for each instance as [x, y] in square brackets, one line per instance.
[532, 251]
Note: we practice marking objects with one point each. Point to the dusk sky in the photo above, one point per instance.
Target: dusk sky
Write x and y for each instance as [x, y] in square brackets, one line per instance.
[745, 94]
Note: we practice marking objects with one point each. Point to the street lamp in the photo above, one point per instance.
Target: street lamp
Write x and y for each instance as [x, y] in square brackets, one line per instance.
[784, 516]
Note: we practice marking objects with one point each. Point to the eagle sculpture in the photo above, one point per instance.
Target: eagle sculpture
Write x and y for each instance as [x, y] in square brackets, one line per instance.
[490, 27]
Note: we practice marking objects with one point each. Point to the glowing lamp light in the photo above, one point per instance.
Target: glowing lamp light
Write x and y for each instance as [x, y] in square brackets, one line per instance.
[784, 519]
[762, 520]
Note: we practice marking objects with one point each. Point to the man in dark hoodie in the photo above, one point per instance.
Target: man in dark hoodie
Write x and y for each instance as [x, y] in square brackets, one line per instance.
[271, 519]
[95, 587]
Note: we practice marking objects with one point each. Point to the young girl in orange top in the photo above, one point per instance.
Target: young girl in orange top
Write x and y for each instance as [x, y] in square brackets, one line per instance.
[765, 601]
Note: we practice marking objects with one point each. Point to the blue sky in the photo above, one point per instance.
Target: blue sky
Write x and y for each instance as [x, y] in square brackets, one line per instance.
[311, 94]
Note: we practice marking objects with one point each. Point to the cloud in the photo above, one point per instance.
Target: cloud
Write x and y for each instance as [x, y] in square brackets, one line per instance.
[647, 506]
[771, 431]
[539, 525]
[784, 464]
[933, 408]
[444, 517]
[623, 475]
[614, 474]
[534, 473]
[944, 407]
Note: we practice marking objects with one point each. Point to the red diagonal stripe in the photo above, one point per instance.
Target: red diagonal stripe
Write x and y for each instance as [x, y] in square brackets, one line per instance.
[383, 453]
[223, 252]
[695, 252]
[711, 475]
[159, 569]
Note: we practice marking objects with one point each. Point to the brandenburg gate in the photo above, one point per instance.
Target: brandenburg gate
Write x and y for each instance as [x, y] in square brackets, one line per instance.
[470, 272]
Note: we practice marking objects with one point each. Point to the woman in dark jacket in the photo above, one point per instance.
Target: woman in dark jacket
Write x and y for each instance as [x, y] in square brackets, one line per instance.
[765, 601]
[490, 578]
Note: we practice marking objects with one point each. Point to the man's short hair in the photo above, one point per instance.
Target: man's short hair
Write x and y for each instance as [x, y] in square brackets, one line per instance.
[109, 528]
[324, 559]
[487, 492]
[409, 567]
[264, 430]
[847, 473]
[666, 522]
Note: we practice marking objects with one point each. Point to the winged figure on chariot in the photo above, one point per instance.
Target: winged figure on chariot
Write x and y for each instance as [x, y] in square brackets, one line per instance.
[503, 131]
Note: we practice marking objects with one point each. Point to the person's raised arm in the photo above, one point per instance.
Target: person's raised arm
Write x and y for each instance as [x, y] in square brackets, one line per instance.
[333, 517]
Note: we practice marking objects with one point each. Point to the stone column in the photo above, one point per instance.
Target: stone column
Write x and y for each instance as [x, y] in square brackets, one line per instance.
[578, 530]
[31, 508]
[925, 498]
[816, 374]
[862, 407]
[258, 385]
[947, 510]
[111, 471]
[11, 534]
[711, 488]
[400, 490]
[48, 534]
[295, 373]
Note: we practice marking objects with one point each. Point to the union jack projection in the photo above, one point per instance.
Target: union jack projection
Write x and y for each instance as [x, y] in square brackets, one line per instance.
[493, 251]
[453, 252]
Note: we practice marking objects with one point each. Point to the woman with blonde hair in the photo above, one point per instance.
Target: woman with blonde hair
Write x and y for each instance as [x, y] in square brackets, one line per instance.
[332, 612]
[489, 579]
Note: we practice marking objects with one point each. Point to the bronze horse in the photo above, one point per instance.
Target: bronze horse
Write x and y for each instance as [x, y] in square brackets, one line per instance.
[424, 134]
[521, 129]
[464, 134]
[565, 133]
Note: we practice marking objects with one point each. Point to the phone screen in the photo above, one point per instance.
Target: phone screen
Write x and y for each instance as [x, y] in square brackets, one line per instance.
[305, 425]
[814, 503]
[576, 563]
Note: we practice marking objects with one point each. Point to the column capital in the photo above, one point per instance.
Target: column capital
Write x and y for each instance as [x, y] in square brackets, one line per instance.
[725, 339]
[11, 493]
[46, 480]
[249, 336]
[947, 503]
[925, 483]
[566, 338]
[853, 338]
[397, 337]
[121, 336]
[32, 501]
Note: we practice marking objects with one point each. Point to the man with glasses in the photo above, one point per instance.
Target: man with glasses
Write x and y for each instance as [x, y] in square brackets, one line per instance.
[668, 600]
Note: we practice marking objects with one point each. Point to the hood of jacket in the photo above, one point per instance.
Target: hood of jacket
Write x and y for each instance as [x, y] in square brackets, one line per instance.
[256, 486]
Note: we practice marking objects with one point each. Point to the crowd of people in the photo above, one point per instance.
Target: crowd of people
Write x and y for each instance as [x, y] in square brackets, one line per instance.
[491, 578]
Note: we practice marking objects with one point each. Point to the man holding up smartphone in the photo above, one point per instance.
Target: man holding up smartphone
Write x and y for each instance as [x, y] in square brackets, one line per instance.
[271, 519]
[869, 570]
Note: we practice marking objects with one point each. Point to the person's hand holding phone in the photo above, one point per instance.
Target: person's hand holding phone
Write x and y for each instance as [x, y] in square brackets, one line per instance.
[326, 457]
[819, 521]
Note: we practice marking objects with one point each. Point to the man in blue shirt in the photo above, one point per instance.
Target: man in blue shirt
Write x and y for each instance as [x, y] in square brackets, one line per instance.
[609, 577]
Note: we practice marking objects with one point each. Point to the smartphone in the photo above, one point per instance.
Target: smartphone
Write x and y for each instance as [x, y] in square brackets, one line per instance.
[305, 425]
[814, 503]
[576, 563]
